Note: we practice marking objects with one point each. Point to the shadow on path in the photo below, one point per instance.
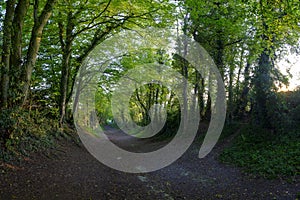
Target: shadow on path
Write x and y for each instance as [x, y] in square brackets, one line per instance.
[72, 173]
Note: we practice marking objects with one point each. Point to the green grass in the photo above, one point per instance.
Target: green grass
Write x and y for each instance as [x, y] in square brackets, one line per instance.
[264, 153]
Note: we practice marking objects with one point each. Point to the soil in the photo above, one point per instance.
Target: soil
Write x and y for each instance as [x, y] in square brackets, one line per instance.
[71, 172]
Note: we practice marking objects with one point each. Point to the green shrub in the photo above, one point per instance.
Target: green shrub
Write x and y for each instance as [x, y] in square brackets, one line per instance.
[264, 153]
[23, 131]
[291, 111]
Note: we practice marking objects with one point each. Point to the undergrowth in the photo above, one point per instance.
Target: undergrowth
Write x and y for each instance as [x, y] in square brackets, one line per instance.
[265, 153]
[25, 131]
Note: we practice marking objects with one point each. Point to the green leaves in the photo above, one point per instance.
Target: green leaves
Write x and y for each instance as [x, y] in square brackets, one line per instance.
[261, 153]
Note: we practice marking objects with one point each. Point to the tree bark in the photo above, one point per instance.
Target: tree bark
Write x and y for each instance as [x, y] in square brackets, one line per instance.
[263, 80]
[16, 56]
[220, 54]
[34, 45]
[7, 29]
[230, 95]
[262, 88]
[243, 100]
[66, 65]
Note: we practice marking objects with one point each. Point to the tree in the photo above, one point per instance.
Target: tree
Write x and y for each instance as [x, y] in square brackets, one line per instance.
[83, 30]
[277, 26]
[220, 28]
[246, 37]
[17, 66]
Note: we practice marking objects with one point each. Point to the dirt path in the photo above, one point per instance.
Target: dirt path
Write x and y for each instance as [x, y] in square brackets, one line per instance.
[72, 173]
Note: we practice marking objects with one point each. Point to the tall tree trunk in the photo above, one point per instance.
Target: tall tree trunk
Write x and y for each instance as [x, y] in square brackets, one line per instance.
[66, 66]
[199, 91]
[220, 54]
[262, 89]
[243, 99]
[64, 83]
[263, 81]
[34, 45]
[201, 97]
[230, 95]
[16, 55]
[144, 108]
[207, 113]
[237, 88]
[185, 75]
[5, 65]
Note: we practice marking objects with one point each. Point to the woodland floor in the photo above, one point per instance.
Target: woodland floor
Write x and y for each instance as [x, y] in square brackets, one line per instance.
[70, 172]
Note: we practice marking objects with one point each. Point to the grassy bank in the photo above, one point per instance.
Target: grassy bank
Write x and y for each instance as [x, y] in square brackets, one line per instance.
[265, 153]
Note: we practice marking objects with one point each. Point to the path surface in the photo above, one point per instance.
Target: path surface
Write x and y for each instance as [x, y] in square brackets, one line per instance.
[72, 173]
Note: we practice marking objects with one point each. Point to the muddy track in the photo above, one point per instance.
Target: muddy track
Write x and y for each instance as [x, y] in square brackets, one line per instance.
[70, 172]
